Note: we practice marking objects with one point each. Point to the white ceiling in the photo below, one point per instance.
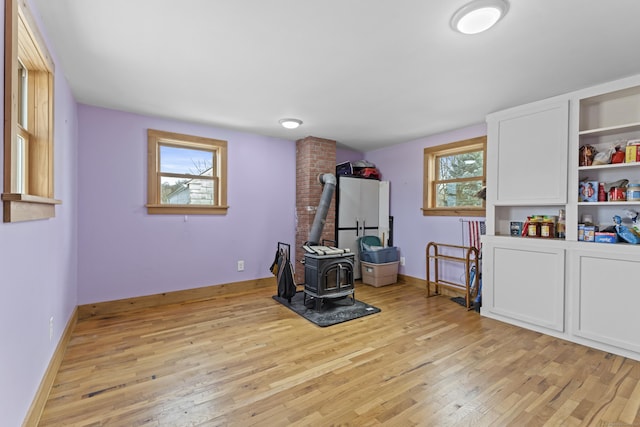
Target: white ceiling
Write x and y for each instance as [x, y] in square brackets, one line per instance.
[366, 73]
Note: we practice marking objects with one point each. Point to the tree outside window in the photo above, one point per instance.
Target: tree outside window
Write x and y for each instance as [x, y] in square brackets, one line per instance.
[454, 174]
[186, 174]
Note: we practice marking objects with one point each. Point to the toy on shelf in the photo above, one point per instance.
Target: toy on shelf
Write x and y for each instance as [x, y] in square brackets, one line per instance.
[635, 219]
[629, 235]
[586, 155]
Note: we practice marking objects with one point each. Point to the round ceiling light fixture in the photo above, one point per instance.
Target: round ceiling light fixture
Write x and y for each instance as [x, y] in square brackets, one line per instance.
[479, 16]
[290, 123]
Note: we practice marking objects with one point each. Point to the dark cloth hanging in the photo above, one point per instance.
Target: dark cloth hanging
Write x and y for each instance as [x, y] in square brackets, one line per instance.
[274, 265]
[283, 270]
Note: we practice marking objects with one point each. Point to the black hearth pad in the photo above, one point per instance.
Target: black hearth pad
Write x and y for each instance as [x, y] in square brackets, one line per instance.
[333, 311]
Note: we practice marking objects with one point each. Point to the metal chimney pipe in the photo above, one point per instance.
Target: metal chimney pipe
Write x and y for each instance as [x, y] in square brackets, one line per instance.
[329, 182]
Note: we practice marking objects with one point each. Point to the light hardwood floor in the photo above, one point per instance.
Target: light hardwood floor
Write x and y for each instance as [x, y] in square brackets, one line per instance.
[244, 359]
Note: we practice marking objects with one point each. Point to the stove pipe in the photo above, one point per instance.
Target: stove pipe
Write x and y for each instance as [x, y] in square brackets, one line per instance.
[329, 182]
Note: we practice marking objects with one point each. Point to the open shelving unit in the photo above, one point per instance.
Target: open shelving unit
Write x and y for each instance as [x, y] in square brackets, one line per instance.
[605, 121]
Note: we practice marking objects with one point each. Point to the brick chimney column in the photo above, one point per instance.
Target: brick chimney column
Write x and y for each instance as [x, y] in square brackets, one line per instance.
[314, 157]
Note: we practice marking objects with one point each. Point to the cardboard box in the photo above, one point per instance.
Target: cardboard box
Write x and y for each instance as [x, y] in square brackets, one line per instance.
[590, 233]
[379, 274]
[516, 228]
[631, 154]
[632, 151]
[588, 191]
[604, 237]
[345, 168]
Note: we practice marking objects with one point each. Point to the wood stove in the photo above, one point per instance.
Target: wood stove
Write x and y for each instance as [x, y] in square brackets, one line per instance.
[328, 276]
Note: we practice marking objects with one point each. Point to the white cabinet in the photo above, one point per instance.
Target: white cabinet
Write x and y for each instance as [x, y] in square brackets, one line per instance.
[525, 282]
[584, 292]
[527, 173]
[605, 298]
[358, 200]
[357, 213]
[526, 163]
[530, 153]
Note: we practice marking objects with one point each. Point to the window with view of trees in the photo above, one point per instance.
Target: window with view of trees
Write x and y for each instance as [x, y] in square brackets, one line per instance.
[454, 174]
[186, 174]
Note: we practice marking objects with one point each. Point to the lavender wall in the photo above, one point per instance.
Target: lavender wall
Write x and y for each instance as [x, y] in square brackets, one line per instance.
[346, 155]
[103, 246]
[38, 264]
[127, 253]
[402, 165]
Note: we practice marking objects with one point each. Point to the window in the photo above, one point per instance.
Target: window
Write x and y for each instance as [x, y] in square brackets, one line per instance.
[28, 126]
[453, 175]
[186, 174]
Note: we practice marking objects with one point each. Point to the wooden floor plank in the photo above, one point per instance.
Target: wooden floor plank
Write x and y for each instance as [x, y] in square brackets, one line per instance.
[245, 360]
[632, 406]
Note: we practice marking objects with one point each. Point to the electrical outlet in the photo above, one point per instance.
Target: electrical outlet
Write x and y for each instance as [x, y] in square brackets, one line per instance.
[401, 260]
[51, 328]
[241, 265]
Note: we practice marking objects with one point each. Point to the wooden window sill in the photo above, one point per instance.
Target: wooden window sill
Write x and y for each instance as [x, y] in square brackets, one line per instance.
[454, 211]
[153, 209]
[25, 207]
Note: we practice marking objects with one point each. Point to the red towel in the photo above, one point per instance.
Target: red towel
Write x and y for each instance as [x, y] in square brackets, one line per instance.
[475, 230]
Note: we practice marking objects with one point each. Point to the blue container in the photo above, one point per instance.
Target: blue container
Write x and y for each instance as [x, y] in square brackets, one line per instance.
[380, 256]
[602, 237]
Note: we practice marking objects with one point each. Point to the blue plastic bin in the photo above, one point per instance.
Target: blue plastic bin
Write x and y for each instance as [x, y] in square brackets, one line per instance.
[371, 251]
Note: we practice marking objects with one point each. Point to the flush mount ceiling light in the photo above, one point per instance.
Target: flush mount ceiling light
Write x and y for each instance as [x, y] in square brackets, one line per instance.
[290, 123]
[479, 16]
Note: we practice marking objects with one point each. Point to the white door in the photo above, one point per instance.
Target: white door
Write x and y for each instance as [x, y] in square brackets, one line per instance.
[369, 202]
[524, 280]
[529, 147]
[349, 202]
[605, 297]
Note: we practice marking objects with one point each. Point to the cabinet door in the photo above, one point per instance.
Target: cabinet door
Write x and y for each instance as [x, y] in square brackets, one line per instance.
[369, 200]
[605, 298]
[348, 202]
[527, 154]
[358, 203]
[524, 281]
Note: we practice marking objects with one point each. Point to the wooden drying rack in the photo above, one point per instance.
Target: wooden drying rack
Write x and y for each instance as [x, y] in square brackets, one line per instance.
[469, 259]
